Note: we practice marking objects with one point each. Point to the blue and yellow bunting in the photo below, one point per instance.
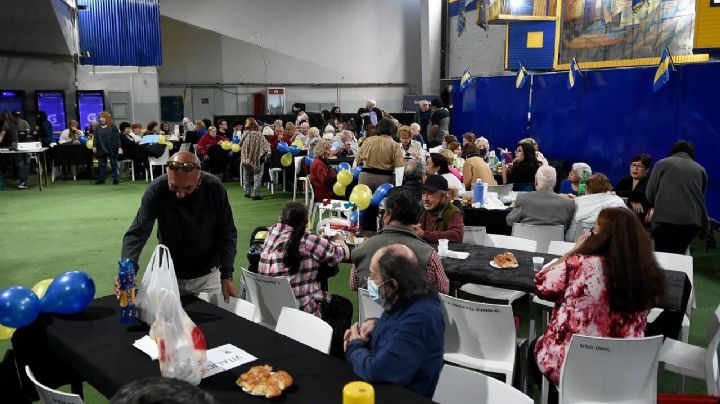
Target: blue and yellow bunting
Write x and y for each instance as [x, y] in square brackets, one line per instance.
[521, 76]
[662, 74]
[573, 74]
[466, 80]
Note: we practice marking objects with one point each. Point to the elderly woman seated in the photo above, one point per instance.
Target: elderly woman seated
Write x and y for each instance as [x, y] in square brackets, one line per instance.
[322, 174]
[405, 345]
[588, 207]
[290, 252]
[213, 157]
[569, 186]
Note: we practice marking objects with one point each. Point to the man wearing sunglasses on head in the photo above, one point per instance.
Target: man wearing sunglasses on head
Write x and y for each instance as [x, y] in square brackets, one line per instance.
[194, 221]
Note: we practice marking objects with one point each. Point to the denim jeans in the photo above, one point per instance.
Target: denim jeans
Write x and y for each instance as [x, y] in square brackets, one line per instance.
[102, 166]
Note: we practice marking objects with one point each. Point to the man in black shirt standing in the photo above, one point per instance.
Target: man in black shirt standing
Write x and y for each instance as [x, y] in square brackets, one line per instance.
[194, 221]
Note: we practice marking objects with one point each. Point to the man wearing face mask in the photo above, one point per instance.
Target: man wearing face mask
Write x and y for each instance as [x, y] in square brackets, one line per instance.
[405, 345]
[194, 221]
[441, 219]
[400, 214]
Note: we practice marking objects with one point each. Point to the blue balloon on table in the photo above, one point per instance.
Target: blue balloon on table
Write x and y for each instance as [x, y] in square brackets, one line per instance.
[283, 147]
[343, 166]
[356, 172]
[380, 194]
[69, 293]
[294, 150]
[83, 139]
[19, 307]
[308, 162]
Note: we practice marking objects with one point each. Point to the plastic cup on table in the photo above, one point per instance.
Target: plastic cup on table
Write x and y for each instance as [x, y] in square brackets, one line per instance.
[443, 247]
[538, 263]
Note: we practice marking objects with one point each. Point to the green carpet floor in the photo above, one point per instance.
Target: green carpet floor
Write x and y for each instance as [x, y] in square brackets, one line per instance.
[78, 225]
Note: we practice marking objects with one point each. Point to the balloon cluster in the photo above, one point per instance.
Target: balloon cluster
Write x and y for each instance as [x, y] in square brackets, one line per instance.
[69, 293]
[361, 196]
[344, 178]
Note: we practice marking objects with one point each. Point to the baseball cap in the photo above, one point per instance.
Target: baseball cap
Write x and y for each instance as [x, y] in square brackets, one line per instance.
[435, 183]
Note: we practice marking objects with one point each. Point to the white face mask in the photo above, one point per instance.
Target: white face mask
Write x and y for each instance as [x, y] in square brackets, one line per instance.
[374, 291]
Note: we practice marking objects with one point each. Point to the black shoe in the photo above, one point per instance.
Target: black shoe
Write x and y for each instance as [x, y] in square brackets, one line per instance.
[257, 198]
[247, 195]
[98, 182]
[115, 182]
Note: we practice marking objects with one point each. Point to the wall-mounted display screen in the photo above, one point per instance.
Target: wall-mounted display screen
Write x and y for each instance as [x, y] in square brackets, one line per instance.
[12, 101]
[90, 105]
[53, 104]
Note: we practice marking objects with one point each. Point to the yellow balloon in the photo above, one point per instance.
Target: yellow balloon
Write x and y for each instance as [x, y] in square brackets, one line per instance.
[161, 139]
[6, 332]
[345, 177]
[89, 144]
[359, 199]
[339, 189]
[225, 145]
[169, 146]
[41, 287]
[298, 143]
[286, 159]
[364, 189]
[235, 147]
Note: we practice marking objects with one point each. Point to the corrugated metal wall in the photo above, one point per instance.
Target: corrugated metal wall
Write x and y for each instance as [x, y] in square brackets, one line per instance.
[120, 32]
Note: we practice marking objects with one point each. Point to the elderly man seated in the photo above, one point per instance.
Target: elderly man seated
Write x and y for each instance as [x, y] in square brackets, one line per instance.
[401, 211]
[441, 219]
[345, 146]
[543, 207]
[569, 186]
[413, 179]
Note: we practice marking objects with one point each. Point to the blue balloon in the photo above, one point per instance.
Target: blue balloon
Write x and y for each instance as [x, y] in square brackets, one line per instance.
[355, 216]
[19, 307]
[83, 139]
[230, 154]
[283, 147]
[69, 293]
[308, 162]
[380, 194]
[356, 172]
[343, 166]
[294, 150]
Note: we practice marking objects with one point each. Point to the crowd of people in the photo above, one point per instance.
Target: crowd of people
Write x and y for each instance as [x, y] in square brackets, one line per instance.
[663, 205]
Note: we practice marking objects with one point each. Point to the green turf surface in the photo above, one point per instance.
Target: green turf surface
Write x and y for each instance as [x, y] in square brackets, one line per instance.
[78, 225]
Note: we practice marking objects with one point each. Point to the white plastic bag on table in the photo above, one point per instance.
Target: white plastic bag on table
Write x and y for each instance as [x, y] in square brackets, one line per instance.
[181, 344]
[159, 274]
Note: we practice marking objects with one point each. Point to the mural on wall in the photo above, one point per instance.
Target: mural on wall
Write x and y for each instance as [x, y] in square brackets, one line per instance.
[598, 30]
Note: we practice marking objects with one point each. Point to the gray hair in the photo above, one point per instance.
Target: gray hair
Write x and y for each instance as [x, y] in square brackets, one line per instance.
[581, 168]
[414, 171]
[415, 125]
[545, 178]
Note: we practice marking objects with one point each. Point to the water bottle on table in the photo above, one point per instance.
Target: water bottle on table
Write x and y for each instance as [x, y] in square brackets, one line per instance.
[128, 289]
[479, 192]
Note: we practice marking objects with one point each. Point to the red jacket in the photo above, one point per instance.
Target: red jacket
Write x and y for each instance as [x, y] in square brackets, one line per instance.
[205, 142]
[322, 177]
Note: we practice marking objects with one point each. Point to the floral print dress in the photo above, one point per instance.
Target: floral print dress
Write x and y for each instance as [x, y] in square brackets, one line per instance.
[577, 286]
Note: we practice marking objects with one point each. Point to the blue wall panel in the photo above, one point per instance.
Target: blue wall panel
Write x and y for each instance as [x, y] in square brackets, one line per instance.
[611, 115]
[531, 58]
[120, 32]
[492, 107]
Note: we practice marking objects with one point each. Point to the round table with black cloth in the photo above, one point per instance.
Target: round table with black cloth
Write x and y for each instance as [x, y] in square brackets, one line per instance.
[217, 160]
[493, 220]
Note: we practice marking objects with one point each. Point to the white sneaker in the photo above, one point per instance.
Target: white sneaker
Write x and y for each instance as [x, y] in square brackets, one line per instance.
[23, 185]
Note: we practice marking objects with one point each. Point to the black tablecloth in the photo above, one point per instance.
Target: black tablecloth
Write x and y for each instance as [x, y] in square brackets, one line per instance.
[476, 269]
[99, 348]
[71, 154]
[493, 220]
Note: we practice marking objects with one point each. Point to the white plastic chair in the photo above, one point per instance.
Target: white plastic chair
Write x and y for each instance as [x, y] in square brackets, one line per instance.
[51, 396]
[305, 328]
[298, 163]
[159, 161]
[274, 178]
[491, 292]
[458, 385]
[270, 295]
[694, 361]
[681, 263]
[610, 370]
[475, 235]
[367, 307]
[501, 190]
[479, 335]
[122, 163]
[560, 247]
[399, 175]
[239, 307]
[542, 234]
